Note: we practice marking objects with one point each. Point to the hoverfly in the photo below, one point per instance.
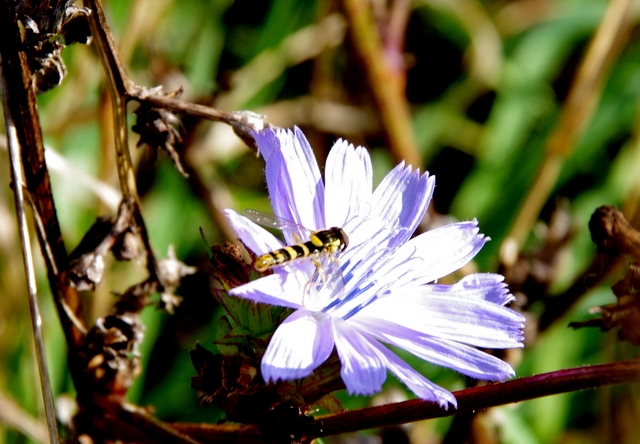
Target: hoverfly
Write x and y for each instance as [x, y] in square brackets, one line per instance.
[320, 248]
[329, 241]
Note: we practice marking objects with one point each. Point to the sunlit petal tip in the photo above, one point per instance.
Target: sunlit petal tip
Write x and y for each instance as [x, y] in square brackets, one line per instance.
[433, 393]
[341, 146]
[363, 380]
[364, 383]
[442, 397]
[293, 177]
[489, 286]
[429, 182]
[300, 142]
[267, 141]
[500, 371]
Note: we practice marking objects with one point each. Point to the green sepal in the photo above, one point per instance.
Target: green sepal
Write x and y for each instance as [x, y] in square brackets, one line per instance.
[222, 333]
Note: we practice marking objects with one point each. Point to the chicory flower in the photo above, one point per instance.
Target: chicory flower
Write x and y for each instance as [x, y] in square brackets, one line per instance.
[387, 292]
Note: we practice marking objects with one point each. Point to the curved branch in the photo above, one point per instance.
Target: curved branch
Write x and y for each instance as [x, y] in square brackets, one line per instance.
[477, 398]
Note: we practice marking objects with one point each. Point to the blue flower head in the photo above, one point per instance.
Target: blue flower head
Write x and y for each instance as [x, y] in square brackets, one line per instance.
[388, 292]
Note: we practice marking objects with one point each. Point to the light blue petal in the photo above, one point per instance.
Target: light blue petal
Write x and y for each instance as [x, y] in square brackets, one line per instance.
[362, 371]
[260, 241]
[451, 354]
[282, 289]
[432, 255]
[418, 384]
[485, 286]
[472, 321]
[253, 236]
[348, 184]
[298, 346]
[402, 199]
[373, 273]
[367, 242]
[363, 367]
[293, 178]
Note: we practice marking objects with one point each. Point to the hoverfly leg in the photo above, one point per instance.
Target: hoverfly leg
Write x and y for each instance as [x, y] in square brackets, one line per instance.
[319, 271]
[327, 275]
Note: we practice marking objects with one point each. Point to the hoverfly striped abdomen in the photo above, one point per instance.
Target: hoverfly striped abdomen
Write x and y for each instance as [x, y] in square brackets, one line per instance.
[332, 240]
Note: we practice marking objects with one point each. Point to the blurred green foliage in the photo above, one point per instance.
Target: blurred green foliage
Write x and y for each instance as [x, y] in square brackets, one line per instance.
[484, 138]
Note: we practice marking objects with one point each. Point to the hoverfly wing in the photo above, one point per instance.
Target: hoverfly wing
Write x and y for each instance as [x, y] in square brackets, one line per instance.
[269, 220]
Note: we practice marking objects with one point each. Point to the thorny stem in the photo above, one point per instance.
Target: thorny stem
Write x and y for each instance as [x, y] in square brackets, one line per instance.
[583, 97]
[27, 259]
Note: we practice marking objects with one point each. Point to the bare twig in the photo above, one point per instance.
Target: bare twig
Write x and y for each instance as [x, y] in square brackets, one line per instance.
[221, 433]
[127, 423]
[27, 259]
[118, 84]
[127, 90]
[594, 275]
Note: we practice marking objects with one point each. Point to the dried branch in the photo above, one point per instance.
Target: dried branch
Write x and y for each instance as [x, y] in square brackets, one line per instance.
[28, 170]
[617, 240]
[25, 244]
[242, 122]
[127, 423]
[20, 104]
[102, 360]
[122, 89]
[596, 273]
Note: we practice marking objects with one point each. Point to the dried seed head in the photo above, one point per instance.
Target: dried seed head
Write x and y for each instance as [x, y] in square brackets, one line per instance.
[160, 129]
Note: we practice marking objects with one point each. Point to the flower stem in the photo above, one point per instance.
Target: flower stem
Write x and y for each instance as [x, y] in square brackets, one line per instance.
[477, 398]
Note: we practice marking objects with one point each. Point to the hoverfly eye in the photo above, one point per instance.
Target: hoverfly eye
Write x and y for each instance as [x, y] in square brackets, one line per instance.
[345, 240]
